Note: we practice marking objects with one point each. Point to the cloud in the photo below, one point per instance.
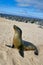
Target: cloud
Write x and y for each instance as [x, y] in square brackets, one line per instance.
[35, 3]
[23, 5]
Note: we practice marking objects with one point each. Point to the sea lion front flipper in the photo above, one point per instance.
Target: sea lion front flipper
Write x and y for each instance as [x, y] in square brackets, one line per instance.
[9, 46]
[21, 51]
[13, 46]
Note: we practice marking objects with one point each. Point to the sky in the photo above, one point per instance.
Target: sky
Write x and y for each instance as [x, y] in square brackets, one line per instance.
[28, 8]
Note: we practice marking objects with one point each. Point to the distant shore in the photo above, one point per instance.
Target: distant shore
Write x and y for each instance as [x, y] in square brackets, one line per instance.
[22, 19]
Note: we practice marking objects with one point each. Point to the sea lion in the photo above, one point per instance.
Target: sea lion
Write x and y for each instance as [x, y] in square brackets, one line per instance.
[18, 43]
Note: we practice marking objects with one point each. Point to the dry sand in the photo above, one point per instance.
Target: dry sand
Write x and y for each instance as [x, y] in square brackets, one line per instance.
[31, 33]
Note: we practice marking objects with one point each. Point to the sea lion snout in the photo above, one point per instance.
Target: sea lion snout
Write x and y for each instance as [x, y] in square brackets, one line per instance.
[14, 26]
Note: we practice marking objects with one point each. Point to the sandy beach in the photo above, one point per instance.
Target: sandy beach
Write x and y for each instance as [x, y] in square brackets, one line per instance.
[30, 33]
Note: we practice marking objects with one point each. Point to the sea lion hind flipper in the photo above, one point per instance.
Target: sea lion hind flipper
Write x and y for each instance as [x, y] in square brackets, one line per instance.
[36, 52]
[21, 51]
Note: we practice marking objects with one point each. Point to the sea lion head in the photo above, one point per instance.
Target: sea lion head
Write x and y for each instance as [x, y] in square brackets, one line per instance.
[18, 30]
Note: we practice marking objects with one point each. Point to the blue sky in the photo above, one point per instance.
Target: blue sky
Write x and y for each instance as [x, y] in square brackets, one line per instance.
[29, 8]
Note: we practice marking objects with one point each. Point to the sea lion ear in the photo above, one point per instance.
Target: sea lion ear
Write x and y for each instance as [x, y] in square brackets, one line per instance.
[21, 51]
